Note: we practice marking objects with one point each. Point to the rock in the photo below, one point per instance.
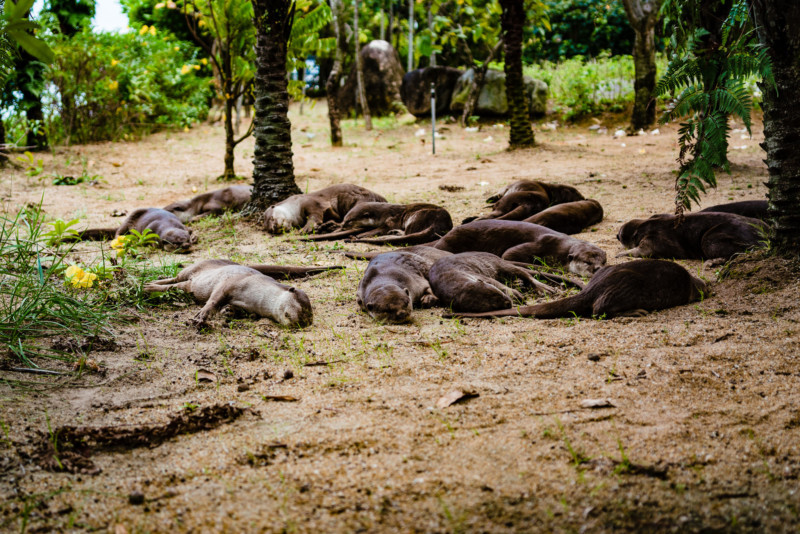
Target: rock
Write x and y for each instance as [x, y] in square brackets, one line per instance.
[136, 498]
[383, 75]
[492, 100]
[416, 89]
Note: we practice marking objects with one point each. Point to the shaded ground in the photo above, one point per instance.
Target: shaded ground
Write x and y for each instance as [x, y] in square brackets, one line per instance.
[702, 435]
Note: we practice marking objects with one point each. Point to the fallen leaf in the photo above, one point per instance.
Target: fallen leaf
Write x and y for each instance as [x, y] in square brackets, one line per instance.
[597, 403]
[455, 396]
[203, 375]
[115, 164]
[314, 169]
[280, 398]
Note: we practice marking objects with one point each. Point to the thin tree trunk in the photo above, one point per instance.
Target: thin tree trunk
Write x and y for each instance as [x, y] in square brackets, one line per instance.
[273, 170]
[332, 85]
[410, 36]
[390, 29]
[227, 93]
[513, 19]
[642, 16]
[383, 23]
[3, 155]
[778, 25]
[430, 31]
[477, 84]
[362, 97]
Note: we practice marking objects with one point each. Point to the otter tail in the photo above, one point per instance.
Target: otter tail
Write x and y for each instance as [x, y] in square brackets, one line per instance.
[288, 271]
[97, 234]
[558, 279]
[417, 238]
[331, 236]
[576, 304]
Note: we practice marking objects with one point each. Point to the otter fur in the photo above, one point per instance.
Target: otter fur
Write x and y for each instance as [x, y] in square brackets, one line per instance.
[211, 203]
[471, 282]
[251, 288]
[570, 217]
[522, 241]
[396, 282]
[524, 198]
[755, 209]
[705, 235]
[172, 233]
[311, 210]
[632, 288]
[414, 224]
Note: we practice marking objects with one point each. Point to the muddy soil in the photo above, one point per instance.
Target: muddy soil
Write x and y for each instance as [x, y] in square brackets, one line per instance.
[341, 427]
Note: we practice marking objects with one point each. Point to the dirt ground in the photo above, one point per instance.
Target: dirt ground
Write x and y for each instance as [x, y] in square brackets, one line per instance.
[335, 428]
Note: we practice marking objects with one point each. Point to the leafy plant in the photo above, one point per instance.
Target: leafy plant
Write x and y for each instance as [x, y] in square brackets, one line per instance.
[62, 231]
[33, 166]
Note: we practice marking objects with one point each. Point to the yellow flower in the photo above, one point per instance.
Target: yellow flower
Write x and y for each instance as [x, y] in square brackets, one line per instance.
[185, 69]
[152, 30]
[196, 67]
[114, 62]
[204, 61]
[194, 189]
[201, 23]
[118, 244]
[72, 271]
[185, 128]
[113, 85]
[86, 280]
[159, 5]
[143, 30]
[177, 48]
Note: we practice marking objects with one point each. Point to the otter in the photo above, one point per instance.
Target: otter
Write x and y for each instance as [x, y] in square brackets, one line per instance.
[755, 209]
[522, 241]
[417, 223]
[247, 287]
[525, 198]
[311, 210]
[173, 235]
[211, 203]
[633, 288]
[709, 235]
[395, 282]
[570, 217]
[470, 282]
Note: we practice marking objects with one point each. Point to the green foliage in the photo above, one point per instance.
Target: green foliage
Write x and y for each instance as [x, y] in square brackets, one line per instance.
[33, 166]
[62, 231]
[164, 15]
[311, 17]
[15, 26]
[72, 15]
[711, 74]
[114, 85]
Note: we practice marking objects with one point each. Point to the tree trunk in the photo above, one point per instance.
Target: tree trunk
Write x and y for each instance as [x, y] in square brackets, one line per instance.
[390, 28]
[332, 85]
[362, 97]
[513, 19]
[430, 31]
[227, 90]
[410, 36]
[642, 16]
[273, 172]
[3, 154]
[778, 26]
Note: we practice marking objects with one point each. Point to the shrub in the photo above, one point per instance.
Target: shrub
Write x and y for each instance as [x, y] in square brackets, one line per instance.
[103, 86]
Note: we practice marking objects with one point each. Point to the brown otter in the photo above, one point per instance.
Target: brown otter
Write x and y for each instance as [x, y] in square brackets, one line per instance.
[172, 233]
[312, 209]
[211, 203]
[470, 282]
[632, 288]
[521, 241]
[527, 197]
[417, 223]
[755, 209]
[706, 235]
[395, 282]
[251, 288]
[570, 217]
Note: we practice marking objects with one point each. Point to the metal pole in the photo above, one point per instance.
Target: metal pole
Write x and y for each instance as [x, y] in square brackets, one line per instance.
[433, 118]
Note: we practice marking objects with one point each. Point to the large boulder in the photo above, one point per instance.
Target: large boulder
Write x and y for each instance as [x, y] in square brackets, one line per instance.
[383, 75]
[492, 100]
[416, 89]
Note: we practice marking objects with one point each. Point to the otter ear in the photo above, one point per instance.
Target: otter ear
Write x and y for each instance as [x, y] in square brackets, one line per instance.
[570, 257]
[292, 290]
[369, 306]
[192, 237]
[407, 291]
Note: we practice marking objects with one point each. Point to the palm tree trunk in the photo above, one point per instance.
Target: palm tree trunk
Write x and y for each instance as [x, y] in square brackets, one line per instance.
[332, 85]
[273, 172]
[778, 24]
[642, 16]
[513, 18]
[227, 90]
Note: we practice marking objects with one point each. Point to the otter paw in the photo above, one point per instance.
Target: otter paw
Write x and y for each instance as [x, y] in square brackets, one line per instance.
[635, 313]
[428, 301]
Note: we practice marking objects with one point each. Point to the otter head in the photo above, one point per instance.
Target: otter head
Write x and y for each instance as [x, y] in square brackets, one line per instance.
[627, 233]
[278, 219]
[181, 210]
[294, 308]
[178, 239]
[700, 289]
[363, 215]
[586, 262]
[388, 304]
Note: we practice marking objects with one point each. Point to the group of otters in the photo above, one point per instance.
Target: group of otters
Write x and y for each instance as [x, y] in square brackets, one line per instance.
[464, 269]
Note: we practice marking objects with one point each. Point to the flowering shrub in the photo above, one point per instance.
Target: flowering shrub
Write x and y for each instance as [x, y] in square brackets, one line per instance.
[107, 85]
[79, 278]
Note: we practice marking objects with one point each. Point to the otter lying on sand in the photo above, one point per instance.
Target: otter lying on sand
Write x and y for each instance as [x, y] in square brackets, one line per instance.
[172, 233]
[570, 217]
[251, 288]
[470, 282]
[395, 282]
[707, 235]
[632, 288]
[313, 209]
[211, 203]
[415, 224]
[755, 209]
[523, 242]
[527, 197]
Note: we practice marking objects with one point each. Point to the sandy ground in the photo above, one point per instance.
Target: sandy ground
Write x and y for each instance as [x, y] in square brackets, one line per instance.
[336, 427]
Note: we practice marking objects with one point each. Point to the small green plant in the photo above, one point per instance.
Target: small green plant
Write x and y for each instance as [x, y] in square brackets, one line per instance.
[62, 231]
[577, 455]
[33, 166]
[189, 407]
[624, 464]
